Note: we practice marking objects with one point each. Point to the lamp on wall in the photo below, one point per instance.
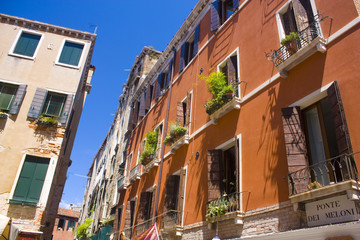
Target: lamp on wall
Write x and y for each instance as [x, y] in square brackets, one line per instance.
[216, 237]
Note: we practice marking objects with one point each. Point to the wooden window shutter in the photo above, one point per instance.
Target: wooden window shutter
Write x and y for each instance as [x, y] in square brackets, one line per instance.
[67, 108]
[168, 79]
[214, 160]
[136, 113]
[182, 57]
[238, 167]
[235, 4]
[215, 17]
[300, 13]
[171, 193]
[295, 144]
[128, 215]
[142, 105]
[340, 124]
[130, 123]
[158, 87]
[37, 103]
[148, 98]
[288, 19]
[188, 108]
[196, 40]
[152, 203]
[180, 113]
[231, 71]
[143, 211]
[181, 198]
[19, 96]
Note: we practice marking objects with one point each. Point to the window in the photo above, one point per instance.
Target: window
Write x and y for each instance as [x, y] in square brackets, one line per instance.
[183, 111]
[31, 180]
[221, 10]
[51, 104]
[71, 225]
[26, 44]
[11, 97]
[145, 207]
[71, 53]
[189, 49]
[61, 224]
[230, 69]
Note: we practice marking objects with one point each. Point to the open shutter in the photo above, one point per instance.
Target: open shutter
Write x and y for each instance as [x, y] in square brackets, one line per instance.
[188, 108]
[168, 79]
[67, 108]
[295, 144]
[181, 198]
[142, 105]
[158, 86]
[214, 159]
[231, 71]
[237, 165]
[340, 124]
[37, 103]
[130, 123]
[196, 40]
[143, 211]
[182, 57]
[136, 113]
[301, 17]
[148, 98]
[215, 17]
[19, 96]
[235, 4]
[180, 113]
[171, 193]
[128, 215]
[288, 19]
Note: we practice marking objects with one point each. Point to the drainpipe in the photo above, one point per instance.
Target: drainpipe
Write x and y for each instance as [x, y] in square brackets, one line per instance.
[164, 135]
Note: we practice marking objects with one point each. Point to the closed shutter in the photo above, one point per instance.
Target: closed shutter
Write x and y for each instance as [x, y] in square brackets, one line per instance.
[27, 44]
[31, 179]
[128, 215]
[136, 113]
[171, 193]
[67, 108]
[158, 87]
[142, 105]
[37, 103]
[196, 40]
[214, 159]
[301, 17]
[235, 4]
[19, 96]
[340, 124]
[148, 98]
[143, 211]
[215, 17]
[71, 53]
[180, 113]
[181, 197]
[188, 108]
[295, 144]
[182, 57]
[168, 79]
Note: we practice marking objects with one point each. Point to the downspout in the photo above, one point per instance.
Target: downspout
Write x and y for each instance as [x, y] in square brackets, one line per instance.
[164, 134]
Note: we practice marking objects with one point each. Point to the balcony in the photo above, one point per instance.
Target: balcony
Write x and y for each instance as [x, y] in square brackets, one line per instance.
[184, 140]
[226, 207]
[122, 183]
[232, 103]
[330, 177]
[153, 163]
[142, 227]
[135, 173]
[308, 42]
[171, 223]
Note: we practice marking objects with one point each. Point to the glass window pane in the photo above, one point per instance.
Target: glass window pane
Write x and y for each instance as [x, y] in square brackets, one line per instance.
[54, 104]
[71, 53]
[27, 44]
[7, 94]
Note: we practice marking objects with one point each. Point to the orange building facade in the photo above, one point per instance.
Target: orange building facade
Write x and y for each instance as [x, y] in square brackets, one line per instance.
[277, 156]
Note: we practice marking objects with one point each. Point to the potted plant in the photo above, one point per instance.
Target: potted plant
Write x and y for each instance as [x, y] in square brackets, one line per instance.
[150, 147]
[177, 130]
[216, 208]
[314, 185]
[3, 114]
[47, 121]
[221, 91]
[290, 42]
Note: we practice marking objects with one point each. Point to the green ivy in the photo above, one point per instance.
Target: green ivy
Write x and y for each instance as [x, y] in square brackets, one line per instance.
[81, 231]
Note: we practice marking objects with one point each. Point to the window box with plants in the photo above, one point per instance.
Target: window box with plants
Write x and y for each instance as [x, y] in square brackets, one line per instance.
[3, 115]
[290, 42]
[149, 151]
[177, 136]
[223, 100]
[49, 121]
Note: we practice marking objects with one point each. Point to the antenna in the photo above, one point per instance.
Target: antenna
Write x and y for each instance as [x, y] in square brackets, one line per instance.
[96, 26]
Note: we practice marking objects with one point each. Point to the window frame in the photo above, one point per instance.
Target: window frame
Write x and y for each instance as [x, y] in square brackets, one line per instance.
[11, 51]
[224, 62]
[61, 50]
[13, 96]
[45, 103]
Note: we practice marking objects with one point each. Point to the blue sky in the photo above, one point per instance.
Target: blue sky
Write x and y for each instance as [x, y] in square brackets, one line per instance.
[124, 28]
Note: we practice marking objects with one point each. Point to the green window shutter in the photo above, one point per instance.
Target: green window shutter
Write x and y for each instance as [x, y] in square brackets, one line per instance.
[54, 104]
[7, 94]
[27, 44]
[71, 53]
[31, 179]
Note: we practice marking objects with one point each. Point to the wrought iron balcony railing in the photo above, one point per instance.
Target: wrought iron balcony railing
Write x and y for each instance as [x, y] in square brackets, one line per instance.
[329, 172]
[170, 219]
[225, 204]
[305, 37]
[135, 172]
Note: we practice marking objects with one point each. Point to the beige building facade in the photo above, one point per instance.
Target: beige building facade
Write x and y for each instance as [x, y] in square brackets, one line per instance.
[45, 74]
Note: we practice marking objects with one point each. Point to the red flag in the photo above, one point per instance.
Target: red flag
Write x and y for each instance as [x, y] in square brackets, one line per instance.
[150, 234]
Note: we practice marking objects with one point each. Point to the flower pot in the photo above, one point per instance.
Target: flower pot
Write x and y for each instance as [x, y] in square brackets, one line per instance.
[291, 46]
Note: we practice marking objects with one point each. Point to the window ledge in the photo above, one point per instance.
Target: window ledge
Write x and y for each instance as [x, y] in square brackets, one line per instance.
[316, 45]
[232, 104]
[21, 56]
[238, 217]
[182, 141]
[67, 65]
[154, 163]
[351, 187]
[3, 116]
[24, 203]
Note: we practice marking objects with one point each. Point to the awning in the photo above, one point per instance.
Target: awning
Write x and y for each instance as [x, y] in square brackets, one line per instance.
[7, 229]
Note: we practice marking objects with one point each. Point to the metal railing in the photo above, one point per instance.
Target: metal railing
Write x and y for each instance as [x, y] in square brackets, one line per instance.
[121, 182]
[226, 204]
[329, 172]
[305, 37]
[135, 172]
[171, 219]
[142, 227]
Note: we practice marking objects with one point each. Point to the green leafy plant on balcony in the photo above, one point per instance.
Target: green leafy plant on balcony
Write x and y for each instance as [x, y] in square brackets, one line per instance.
[314, 185]
[150, 147]
[177, 130]
[47, 121]
[216, 208]
[221, 91]
[290, 42]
